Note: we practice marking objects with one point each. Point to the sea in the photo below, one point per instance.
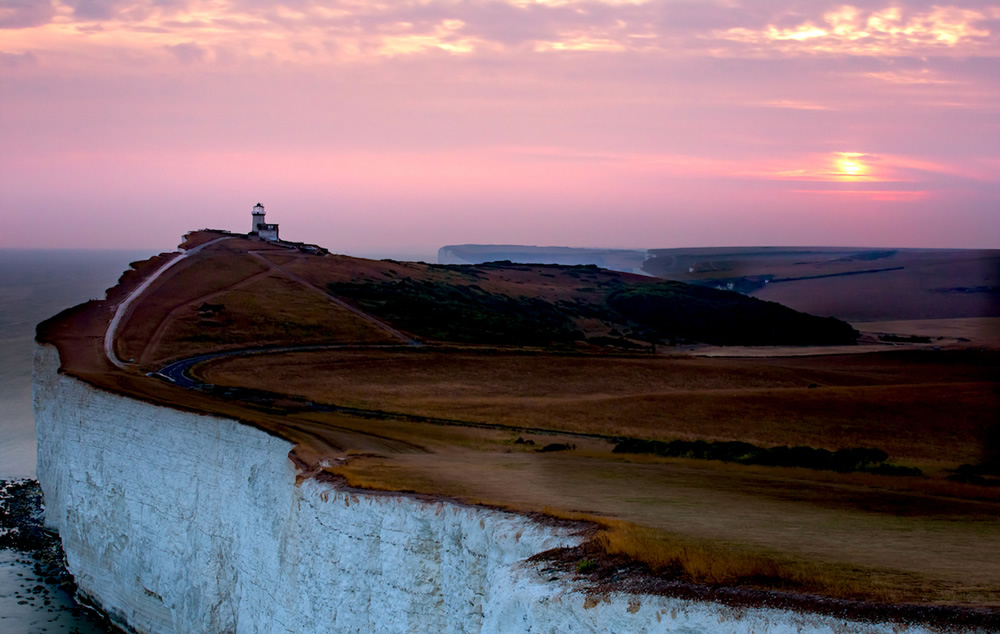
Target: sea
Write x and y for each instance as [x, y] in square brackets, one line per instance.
[36, 284]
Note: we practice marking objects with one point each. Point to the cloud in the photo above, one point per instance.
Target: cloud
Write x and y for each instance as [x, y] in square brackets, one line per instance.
[15, 60]
[849, 30]
[86, 10]
[188, 52]
[916, 76]
[22, 14]
[356, 31]
[791, 104]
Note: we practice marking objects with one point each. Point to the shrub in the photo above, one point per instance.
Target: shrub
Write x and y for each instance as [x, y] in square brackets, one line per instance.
[556, 446]
[866, 459]
[585, 565]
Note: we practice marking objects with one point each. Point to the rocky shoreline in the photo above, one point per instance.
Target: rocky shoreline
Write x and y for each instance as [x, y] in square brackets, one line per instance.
[22, 532]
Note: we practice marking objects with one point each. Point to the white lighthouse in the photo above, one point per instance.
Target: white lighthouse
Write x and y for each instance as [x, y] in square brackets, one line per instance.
[259, 228]
[258, 217]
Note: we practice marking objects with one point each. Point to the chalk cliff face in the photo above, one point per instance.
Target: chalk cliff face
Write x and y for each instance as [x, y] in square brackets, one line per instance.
[178, 522]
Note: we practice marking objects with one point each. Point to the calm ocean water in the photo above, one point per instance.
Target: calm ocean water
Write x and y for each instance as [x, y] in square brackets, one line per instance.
[34, 285]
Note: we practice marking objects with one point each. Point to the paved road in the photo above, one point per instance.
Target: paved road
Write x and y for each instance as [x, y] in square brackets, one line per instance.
[326, 434]
[122, 309]
[178, 371]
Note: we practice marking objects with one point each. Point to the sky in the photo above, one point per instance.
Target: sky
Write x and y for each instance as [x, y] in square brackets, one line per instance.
[396, 127]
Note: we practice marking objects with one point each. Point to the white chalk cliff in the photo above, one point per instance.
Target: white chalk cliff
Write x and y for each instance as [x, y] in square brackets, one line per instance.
[178, 522]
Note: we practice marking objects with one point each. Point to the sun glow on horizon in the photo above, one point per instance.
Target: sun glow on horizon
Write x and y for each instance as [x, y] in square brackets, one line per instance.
[850, 166]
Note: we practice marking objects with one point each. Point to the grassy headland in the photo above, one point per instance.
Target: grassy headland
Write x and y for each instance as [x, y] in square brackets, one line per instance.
[518, 358]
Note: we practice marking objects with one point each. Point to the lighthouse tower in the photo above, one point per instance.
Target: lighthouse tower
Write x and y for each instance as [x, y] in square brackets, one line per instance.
[258, 217]
[259, 228]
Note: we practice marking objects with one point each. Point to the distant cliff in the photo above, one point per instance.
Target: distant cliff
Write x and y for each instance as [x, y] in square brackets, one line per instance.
[626, 260]
[179, 522]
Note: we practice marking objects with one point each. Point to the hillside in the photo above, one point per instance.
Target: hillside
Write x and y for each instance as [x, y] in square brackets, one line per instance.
[245, 293]
[505, 303]
[535, 388]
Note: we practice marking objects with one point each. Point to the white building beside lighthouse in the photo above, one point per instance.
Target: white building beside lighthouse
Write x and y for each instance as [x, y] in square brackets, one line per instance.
[259, 228]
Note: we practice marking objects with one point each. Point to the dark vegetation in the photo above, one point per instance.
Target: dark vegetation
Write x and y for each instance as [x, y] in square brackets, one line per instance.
[866, 459]
[987, 472]
[867, 256]
[454, 307]
[745, 284]
[556, 446]
[207, 309]
[904, 339]
[708, 315]
[976, 474]
[461, 312]
[618, 341]
[585, 565]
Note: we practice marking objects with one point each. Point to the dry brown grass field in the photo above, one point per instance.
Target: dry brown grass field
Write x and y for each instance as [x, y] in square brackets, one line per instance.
[926, 408]
[188, 286]
[444, 420]
[251, 316]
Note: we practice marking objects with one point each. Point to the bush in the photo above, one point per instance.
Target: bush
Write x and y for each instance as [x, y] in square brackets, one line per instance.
[585, 565]
[866, 459]
[556, 446]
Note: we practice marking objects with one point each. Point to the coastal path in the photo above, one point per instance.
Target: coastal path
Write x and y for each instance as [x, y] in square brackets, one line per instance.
[378, 323]
[123, 308]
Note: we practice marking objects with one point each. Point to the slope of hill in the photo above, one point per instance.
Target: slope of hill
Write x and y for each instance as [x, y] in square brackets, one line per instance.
[515, 400]
[249, 293]
[501, 302]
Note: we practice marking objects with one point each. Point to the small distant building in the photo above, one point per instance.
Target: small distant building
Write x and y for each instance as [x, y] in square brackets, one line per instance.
[261, 229]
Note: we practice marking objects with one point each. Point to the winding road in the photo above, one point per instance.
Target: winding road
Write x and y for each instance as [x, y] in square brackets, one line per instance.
[122, 309]
[178, 372]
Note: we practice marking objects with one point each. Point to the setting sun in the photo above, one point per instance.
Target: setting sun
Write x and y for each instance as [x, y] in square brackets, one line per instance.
[850, 164]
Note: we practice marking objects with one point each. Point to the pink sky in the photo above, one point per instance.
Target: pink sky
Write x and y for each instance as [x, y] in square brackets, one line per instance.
[388, 128]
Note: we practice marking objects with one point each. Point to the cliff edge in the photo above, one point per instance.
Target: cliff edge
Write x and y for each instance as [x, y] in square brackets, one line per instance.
[178, 522]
